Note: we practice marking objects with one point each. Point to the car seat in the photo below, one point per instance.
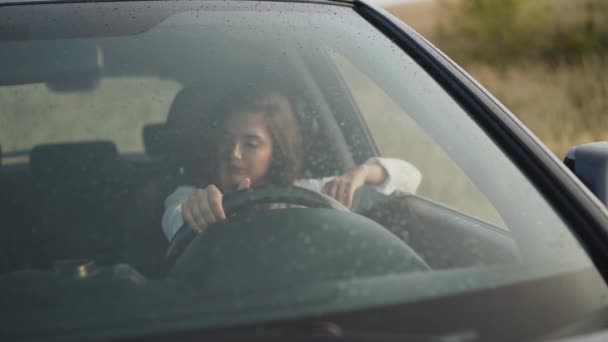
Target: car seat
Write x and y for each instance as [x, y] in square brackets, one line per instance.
[80, 190]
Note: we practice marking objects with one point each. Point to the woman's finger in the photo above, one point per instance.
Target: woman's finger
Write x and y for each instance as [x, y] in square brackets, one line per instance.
[204, 210]
[197, 217]
[349, 194]
[330, 188]
[187, 215]
[244, 184]
[214, 198]
[342, 192]
[201, 209]
[336, 190]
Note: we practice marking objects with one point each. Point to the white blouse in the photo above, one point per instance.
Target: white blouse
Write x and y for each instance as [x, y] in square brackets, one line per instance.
[401, 176]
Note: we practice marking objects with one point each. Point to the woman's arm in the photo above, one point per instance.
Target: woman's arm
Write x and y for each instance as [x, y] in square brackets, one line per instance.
[172, 217]
[400, 175]
[386, 175]
[197, 207]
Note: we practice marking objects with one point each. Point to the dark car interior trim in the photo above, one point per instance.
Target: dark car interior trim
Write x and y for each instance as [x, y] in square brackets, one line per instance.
[418, 321]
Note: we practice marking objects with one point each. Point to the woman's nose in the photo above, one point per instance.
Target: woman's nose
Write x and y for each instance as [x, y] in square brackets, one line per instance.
[236, 151]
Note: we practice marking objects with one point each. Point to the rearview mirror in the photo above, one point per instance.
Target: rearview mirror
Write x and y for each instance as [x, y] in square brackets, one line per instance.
[590, 164]
[70, 65]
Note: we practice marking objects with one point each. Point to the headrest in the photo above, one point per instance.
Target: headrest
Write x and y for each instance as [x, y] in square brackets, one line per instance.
[186, 106]
[188, 124]
[154, 139]
[68, 159]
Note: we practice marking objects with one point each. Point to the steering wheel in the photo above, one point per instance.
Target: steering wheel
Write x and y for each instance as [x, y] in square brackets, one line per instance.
[286, 248]
[238, 200]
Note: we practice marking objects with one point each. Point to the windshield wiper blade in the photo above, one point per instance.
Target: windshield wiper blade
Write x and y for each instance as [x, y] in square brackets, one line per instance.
[328, 331]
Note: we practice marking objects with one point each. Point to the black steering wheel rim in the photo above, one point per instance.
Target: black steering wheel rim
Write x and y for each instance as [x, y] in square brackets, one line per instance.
[237, 200]
[278, 194]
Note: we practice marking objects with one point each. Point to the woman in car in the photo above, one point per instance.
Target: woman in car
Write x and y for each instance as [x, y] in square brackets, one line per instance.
[256, 141]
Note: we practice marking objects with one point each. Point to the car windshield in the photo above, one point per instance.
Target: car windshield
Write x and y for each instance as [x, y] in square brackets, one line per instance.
[370, 186]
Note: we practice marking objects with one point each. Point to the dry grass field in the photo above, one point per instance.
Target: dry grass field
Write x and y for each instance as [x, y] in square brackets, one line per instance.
[564, 103]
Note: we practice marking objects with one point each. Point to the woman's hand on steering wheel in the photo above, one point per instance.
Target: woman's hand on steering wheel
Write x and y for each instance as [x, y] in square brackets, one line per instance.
[204, 206]
[343, 187]
[203, 199]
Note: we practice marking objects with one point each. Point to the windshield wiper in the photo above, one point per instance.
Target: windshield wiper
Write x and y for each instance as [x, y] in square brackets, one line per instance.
[369, 337]
[329, 331]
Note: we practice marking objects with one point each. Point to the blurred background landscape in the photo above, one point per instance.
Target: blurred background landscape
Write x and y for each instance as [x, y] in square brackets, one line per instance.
[546, 60]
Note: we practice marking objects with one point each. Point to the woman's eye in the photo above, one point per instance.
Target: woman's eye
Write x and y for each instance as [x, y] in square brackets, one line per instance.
[252, 143]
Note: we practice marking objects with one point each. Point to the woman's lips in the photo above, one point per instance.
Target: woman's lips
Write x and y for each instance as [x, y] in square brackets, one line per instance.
[237, 170]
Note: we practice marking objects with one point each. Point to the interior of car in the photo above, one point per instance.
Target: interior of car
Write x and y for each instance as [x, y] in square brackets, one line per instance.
[83, 200]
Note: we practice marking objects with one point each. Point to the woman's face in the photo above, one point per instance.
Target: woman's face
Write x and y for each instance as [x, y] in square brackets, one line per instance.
[245, 150]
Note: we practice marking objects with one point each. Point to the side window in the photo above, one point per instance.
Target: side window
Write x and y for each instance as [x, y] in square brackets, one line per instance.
[397, 135]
